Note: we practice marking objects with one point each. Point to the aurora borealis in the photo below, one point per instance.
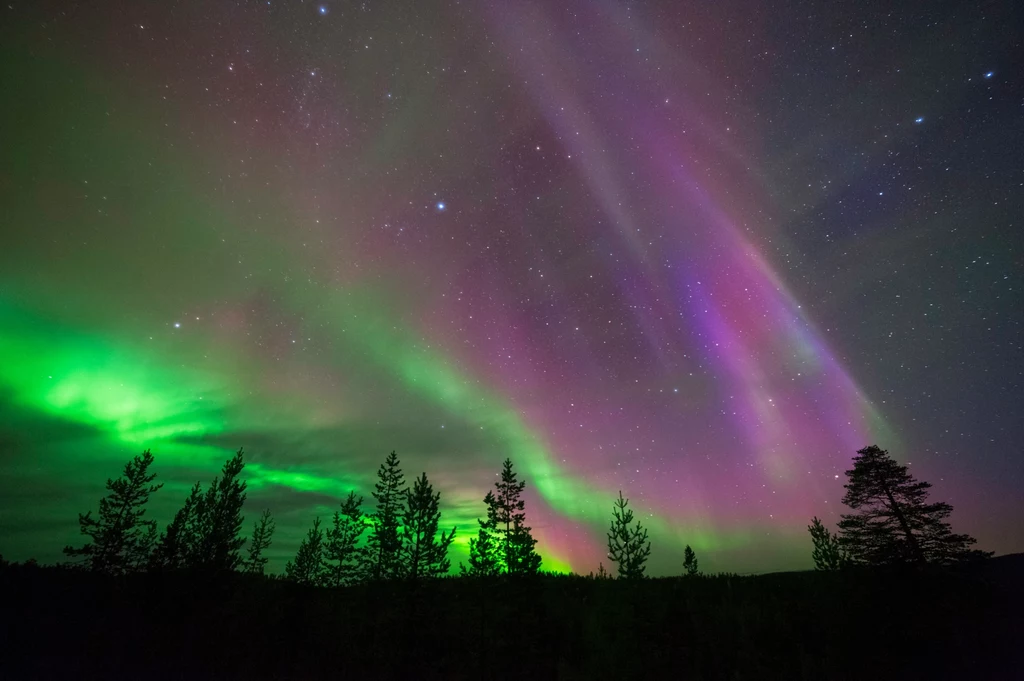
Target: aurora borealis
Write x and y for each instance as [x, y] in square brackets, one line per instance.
[697, 253]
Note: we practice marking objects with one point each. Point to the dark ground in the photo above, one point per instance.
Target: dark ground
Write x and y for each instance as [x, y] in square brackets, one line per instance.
[965, 624]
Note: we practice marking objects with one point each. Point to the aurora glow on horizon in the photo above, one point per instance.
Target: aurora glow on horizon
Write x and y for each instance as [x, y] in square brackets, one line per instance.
[579, 235]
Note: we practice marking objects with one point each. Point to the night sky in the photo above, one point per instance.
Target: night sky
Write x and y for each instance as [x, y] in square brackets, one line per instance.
[697, 252]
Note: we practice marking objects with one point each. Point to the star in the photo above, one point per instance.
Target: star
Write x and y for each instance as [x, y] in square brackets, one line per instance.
[322, 9]
[177, 325]
[440, 206]
[919, 119]
[989, 74]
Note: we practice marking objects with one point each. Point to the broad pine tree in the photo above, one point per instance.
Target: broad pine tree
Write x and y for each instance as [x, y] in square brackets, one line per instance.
[309, 566]
[262, 531]
[426, 554]
[121, 539]
[628, 546]
[827, 552]
[506, 514]
[894, 523]
[690, 564]
[384, 545]
[344, 555]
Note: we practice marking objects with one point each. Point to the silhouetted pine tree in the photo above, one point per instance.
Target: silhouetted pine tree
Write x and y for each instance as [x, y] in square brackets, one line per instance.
[426, 555]
[345, 558]
[178, 542]
[121, 540]
[827, 552]
[506, 515]
[690, 562]
[894, 522]
[628, 546]
[483, 553]
[308, 566]
[262, 531]
[384, 545]
[219, 519]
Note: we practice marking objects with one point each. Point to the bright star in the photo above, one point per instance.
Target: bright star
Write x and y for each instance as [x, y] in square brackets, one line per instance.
[177, 325]
[989, 74]
[440, 205]
[322, 9]
[919, 119]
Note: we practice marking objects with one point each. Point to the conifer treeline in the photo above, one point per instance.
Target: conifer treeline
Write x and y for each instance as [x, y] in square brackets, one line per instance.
[403, 536]
[893, 523]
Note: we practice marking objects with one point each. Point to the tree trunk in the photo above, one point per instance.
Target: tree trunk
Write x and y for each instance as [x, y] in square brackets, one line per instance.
[911, 539]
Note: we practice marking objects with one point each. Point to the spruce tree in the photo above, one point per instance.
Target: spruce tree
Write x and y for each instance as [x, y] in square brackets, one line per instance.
[827, 552]
[506, 521]
[345, 558]
[384, 545]
[894, 523]
[628, 546]
[121, 538]
[309, 566]
[483, 553]
[262, 531]
[426, 554]
[690, 562]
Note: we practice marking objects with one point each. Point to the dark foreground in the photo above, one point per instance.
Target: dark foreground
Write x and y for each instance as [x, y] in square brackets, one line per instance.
[960, 624]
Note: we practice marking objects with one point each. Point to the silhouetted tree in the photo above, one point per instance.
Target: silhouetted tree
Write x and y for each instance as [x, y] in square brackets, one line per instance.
[628, 546]
[483, 552]
[309, 566]
[219, 519]
[385, 541]
[827, 552]
[345, 558]
[506, 520]
[205, 532]
[178, 543]
[690, 562]
[262, 531]
[894, 522]
[121, 540]
[426, 555]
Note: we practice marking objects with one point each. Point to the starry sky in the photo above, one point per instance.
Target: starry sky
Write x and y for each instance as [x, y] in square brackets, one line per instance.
[697, 252]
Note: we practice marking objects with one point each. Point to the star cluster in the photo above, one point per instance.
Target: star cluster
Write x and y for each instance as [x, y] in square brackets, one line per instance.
[697, 253]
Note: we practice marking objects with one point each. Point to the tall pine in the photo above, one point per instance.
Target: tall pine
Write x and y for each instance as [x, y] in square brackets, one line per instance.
[894, 522]
[384, 545]
[220, 519]
[206, 531]
[426, 554]
[628, 546]
[513, 543]
[121, 539]
[345, 557]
